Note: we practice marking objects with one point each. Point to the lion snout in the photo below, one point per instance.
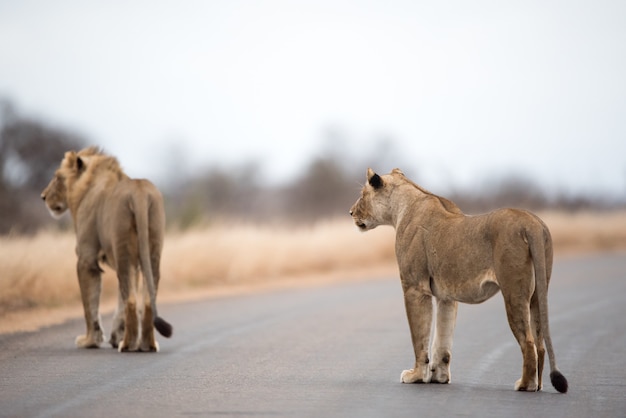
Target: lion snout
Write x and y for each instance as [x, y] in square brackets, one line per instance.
[357, 221]
[360, 223]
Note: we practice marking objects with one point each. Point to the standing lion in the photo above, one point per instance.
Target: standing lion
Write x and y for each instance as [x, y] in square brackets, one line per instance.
[119, 221]
[446, 255]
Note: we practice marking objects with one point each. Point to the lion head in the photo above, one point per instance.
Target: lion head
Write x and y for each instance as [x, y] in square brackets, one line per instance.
[376, 207]
[55, 195]
[60, 190]
[371, 209]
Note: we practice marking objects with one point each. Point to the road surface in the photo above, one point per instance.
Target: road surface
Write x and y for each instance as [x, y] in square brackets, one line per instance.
[329, 351]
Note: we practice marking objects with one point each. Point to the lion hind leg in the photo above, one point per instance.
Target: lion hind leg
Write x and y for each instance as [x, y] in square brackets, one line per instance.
[129, 342]
[528, 382]
[518, 315]
[538, 334]
[148, 342]
[128, 289]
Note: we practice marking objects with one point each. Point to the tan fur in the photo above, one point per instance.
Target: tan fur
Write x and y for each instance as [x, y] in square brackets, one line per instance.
[446, 255]
[119, 221]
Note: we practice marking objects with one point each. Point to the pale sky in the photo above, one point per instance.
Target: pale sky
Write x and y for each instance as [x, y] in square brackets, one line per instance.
[469, 90]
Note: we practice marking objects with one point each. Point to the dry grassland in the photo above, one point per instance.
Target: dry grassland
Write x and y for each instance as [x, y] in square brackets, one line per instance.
[38, 274]
[586, 231]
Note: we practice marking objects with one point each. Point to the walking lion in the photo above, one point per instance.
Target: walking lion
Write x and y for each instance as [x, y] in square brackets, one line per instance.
[119, 221]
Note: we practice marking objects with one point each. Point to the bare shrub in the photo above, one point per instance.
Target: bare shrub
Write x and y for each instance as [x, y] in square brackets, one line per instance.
[30, 151]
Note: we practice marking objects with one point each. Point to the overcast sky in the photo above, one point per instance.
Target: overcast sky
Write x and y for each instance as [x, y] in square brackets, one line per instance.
[468, 90]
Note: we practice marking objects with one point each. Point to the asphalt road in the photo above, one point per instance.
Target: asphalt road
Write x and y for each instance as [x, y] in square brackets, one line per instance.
[330, 351]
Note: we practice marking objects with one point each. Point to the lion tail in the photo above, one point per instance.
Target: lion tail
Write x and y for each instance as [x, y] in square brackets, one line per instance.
[142, 209]
[538, 248]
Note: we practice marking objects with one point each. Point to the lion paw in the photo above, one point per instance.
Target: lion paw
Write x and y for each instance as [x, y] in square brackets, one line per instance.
[413, 376]
[529, 387]
[115, 340]
[116, 337]
[153, 347]
[440, 375]
[128, 345]
[124, 347]
[89, 340]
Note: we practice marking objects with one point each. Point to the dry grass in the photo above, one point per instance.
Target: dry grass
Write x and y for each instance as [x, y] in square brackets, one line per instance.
[587, 231]
[39, 272]
[247, 254]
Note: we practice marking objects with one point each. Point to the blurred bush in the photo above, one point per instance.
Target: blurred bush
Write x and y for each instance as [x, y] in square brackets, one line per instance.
[30, 151]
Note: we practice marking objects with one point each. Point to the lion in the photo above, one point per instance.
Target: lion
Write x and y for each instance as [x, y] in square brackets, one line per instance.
[118, 221]
[451, 257]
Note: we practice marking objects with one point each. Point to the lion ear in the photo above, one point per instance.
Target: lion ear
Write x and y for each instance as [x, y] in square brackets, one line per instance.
[82, 162]
[374, 179]
[69, 159]
[397, 171]
[75, 162]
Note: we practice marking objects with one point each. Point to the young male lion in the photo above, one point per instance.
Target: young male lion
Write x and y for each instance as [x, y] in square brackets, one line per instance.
[119, 221]
[445, 254]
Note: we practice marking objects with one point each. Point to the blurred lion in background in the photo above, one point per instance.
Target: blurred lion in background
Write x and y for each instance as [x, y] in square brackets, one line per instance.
[119, 221]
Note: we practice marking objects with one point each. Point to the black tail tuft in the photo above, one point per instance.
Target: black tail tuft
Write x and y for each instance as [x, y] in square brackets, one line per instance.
[165, 329]
[558, 381]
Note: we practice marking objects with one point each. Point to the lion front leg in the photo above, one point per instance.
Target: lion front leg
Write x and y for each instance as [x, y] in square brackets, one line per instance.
[419, 310]
[90, 284]
[117, 329]
[442, 344]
